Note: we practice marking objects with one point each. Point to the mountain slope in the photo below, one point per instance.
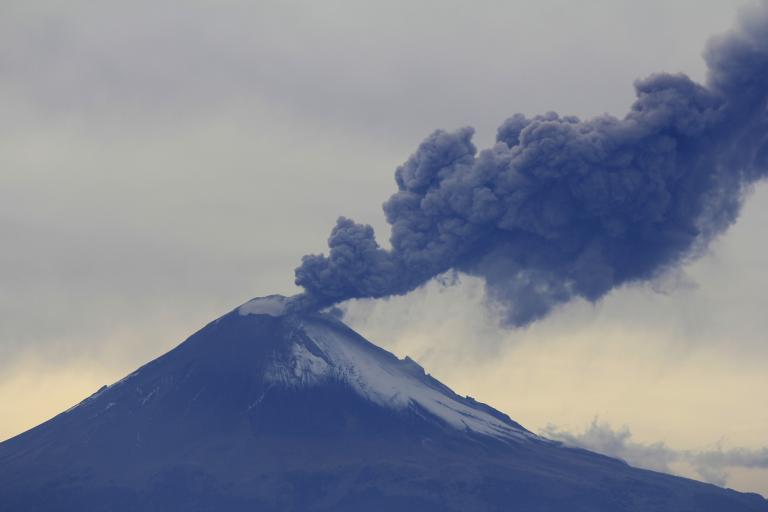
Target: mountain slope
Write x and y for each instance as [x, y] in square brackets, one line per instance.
[263, 410]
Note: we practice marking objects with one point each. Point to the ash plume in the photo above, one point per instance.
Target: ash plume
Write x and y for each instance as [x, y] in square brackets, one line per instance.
[561, 207]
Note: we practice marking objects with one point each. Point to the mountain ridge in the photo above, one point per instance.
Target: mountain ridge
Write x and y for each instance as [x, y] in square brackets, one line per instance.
[269, 410]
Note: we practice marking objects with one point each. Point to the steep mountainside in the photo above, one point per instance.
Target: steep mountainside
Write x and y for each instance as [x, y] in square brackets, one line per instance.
[263, 410]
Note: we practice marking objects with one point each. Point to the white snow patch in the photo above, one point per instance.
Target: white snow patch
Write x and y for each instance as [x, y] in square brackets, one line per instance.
[308, 363]
[256, 402]
[274, 305]
[102, 390]
[302, 368]
[150, 395]
[123, 380]
[382, 380]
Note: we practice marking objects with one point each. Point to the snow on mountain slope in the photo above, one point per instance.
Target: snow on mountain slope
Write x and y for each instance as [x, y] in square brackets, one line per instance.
[272, 410]
[324, 350]
[388, 384]
[272, 305]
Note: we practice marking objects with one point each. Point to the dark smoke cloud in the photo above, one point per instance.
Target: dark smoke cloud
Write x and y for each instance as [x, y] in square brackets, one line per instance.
[711, 465]
[561, 208]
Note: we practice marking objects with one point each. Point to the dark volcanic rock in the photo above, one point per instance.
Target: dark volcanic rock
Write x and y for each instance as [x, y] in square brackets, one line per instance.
[265, 411]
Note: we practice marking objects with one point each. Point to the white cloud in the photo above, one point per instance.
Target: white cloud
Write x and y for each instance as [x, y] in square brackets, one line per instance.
[708, 465]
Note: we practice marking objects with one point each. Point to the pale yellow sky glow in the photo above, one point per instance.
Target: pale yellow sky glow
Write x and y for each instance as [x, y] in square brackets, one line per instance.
[31, 393]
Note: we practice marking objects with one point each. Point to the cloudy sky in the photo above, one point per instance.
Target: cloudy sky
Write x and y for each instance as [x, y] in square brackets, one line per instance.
[162, 162]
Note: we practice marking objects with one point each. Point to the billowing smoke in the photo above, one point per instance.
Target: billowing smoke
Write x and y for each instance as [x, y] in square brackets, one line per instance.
[561, 208]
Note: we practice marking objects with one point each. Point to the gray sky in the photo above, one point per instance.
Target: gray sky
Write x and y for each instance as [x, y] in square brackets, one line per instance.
[162, 162]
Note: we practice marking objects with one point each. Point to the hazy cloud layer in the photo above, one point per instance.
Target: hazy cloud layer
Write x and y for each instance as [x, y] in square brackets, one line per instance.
[711, 465]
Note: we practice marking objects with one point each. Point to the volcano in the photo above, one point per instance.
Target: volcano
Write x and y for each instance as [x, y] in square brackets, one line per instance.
[267, 410]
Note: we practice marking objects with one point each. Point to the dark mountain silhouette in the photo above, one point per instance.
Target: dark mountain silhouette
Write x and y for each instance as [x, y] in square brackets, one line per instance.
[266, 411]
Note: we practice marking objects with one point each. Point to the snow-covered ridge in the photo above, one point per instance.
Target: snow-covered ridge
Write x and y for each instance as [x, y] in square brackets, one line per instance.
[326, 353]
[272, 305]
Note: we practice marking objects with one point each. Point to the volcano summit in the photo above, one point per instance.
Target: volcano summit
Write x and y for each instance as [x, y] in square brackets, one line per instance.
[268, 410]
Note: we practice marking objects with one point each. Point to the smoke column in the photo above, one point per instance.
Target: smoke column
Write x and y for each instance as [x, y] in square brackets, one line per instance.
[561, 208]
